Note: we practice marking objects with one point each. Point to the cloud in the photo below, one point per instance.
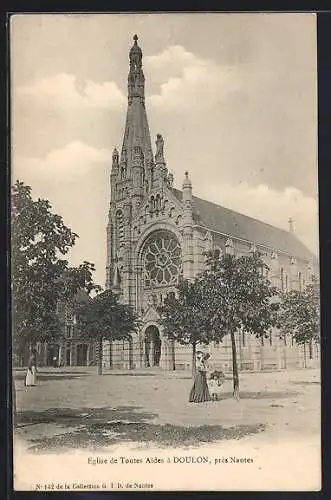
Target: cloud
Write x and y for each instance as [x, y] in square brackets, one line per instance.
[75, 179]
[169, 63]
[183, 79]
[63, 165]
[269, 205]
[187, 80]
[62, 90]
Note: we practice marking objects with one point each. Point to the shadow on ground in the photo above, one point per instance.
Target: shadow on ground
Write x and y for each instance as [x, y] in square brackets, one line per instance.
[42, 379]
[304, 382]
[103, 427]
[52, 375]
[137, 375]
[69, 417]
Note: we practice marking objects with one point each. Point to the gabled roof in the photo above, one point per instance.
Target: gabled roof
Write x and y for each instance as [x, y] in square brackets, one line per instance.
[222, 220]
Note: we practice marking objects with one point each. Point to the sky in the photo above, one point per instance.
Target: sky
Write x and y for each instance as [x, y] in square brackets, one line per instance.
[234, 96]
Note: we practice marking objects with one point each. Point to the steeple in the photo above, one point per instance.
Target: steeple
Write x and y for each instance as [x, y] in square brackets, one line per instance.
[136, 133]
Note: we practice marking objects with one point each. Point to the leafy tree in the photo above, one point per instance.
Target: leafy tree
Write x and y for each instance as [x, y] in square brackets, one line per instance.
[300, 315]
[104, 318]
[40, 273]
[184, 318]
[238, 295]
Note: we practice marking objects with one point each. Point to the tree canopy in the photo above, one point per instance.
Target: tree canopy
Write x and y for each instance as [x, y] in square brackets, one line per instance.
[183, 317]
[300, 314]
[237, 295]
[40, 274]
[231, 294]
[104, 318]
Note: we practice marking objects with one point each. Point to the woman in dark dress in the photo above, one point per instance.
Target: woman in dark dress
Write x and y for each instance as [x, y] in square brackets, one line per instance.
[200, 392]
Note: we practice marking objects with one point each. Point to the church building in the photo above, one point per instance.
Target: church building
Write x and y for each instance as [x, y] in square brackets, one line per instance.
[157, 233]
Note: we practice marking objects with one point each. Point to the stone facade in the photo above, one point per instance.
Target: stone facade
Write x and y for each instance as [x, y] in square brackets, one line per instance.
[156, 233]
[72, 349]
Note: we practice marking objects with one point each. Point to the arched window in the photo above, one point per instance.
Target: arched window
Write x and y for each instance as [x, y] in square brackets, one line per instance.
[282, 279]
[300, 281]
[152, 204]
[119, 229]
[266, 272]
[158, 203]
[229, 247]
[162, 259]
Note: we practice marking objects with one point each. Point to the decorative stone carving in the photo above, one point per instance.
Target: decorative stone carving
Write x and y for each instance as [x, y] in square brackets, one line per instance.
[208, 241]
[159, 156]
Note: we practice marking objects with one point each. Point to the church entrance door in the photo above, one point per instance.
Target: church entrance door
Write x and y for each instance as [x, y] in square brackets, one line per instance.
[82, 355]
[152, 346]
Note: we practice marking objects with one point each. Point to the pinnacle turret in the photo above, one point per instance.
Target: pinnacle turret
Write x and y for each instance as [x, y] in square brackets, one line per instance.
[136, 78]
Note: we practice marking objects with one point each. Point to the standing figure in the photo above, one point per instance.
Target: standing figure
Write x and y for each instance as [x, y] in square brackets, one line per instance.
[199, 392]
[215, 383]
[30, 378]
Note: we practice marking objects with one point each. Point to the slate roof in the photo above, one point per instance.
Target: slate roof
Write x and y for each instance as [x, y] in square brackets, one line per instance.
[222, 220]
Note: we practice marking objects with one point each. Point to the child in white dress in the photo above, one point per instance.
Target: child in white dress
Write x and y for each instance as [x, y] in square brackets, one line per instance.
[216, 382]
[30, 378]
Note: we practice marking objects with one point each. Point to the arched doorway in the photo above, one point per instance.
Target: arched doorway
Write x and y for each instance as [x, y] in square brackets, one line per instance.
[152, 343]
[82, 354]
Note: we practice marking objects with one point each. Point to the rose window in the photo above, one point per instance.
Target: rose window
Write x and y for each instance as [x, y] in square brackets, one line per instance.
[161, 259]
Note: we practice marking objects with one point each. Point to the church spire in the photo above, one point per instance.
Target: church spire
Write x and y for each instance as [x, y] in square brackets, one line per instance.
[136, 78]
[137, 140]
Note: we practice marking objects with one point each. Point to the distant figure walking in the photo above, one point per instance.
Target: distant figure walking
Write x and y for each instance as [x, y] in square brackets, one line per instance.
[199, 392]
[30, 378]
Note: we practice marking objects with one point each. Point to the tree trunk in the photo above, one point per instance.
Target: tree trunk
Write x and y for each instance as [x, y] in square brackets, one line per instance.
[235, 368]
[194, 348]
[304, 355]
[173, 355]
[311, 349]
[99, 356]
[285, 353]
[59, 361]
[130, 341]
[110, 354]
